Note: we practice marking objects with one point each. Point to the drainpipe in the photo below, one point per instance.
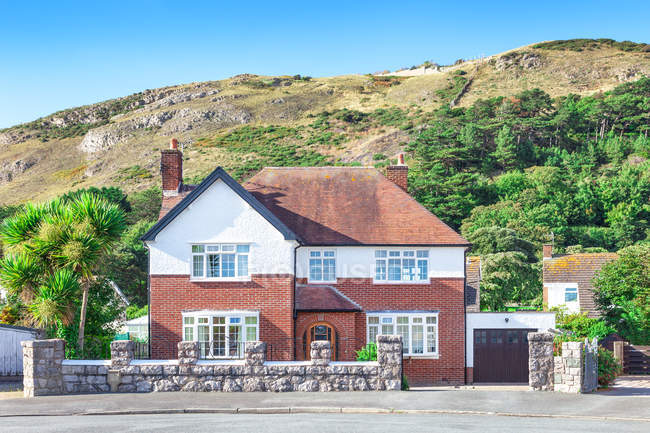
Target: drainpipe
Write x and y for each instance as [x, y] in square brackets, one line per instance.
[295, 275]
[148, 298]
[465, 316]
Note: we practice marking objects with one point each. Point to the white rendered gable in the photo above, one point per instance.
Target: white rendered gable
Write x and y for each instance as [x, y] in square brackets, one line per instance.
[219, 215]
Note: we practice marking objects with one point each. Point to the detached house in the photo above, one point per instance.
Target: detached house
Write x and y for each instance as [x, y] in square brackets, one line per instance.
[301, 254]
[568, 279]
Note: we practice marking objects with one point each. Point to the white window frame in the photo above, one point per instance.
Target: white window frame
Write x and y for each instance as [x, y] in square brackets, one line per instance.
[417, 254]
[228, 315]
[205, 253]
[322, 257]
[392, 316]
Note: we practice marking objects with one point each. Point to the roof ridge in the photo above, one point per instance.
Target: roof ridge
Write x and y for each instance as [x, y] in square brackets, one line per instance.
[322, 167]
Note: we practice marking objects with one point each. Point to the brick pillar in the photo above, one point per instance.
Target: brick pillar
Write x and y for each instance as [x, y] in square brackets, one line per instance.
[188, 352]
[320, 353]
[541, 365]
[42, 367]
[255, 353]
[389, 357]
[121, 353]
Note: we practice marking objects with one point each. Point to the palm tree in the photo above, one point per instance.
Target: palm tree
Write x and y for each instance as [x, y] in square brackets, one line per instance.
[52, 252]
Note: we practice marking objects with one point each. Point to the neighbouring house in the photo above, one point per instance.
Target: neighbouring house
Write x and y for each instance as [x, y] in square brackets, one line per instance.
[568, 280]
[301, 254]
[473, 284]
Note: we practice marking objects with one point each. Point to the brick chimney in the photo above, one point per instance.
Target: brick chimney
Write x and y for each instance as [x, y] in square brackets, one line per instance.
[547, 251]
[171, 169]
[398, 174]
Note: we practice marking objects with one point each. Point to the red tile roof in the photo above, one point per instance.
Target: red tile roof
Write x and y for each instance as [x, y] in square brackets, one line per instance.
[169, 202]
[580, 269]
[322, 298]
[342, 206]
[347, 206]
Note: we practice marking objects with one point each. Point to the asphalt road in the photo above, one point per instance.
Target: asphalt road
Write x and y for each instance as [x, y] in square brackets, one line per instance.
[314, 423]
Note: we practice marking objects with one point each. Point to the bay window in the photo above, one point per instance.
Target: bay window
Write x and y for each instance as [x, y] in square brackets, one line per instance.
[401, 265]
[419, 331]
[221, 334]
[220, 261]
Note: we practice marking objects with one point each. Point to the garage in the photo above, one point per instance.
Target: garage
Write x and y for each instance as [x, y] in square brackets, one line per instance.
[501, 355]
[497, 344]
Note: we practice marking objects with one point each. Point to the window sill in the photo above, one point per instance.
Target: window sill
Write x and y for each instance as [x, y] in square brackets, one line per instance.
[421, 282]
[424, 356]
[220, 280]
[321, 281]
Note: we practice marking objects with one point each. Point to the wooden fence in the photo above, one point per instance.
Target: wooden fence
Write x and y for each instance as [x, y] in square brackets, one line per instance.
[11, 352]
[636, 359]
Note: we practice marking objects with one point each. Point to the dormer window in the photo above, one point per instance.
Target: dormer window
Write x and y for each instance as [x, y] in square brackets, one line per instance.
[220, 261]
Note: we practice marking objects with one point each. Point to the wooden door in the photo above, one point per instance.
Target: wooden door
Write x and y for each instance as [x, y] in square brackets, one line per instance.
[501, 355]
[321, 331]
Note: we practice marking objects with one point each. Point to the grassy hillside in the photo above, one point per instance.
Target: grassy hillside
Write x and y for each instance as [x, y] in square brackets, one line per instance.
[248, 121]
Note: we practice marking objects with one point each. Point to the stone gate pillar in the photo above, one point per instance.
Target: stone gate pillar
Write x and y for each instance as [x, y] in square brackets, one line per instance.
[42, 367]
[389, 356]
[541, 366]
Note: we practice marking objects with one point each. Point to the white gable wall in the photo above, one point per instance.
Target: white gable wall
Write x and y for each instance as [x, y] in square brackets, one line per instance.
[219, 215]
[556, 297]
[359, 262]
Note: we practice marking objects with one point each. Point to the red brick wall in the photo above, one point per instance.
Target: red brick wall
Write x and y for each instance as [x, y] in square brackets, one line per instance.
[272, 295]
[443, 294]
[398, 174]
[171, 169]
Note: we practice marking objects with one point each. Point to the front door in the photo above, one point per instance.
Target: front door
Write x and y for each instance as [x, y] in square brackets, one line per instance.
[321, 331]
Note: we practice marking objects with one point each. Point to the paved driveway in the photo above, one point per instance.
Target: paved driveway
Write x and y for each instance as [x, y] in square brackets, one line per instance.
[631, 386]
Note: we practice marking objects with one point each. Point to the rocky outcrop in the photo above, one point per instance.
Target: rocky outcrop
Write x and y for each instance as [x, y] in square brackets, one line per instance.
[523, 60]
[9, 170]
[167, 122]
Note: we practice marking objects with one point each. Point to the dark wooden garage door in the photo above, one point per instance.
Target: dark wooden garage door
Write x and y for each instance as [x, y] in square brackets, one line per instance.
[501, 355]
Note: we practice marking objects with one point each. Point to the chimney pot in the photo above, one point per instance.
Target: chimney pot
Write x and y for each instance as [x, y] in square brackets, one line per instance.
[173, 143]
[400, 159]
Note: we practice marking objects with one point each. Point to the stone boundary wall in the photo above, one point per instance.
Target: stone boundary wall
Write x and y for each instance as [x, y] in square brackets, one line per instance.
[253, 373]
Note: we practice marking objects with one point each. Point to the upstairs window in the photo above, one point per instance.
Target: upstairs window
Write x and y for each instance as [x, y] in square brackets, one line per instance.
[322, 265]
[570, 294]
[220, 261]
[402, 265]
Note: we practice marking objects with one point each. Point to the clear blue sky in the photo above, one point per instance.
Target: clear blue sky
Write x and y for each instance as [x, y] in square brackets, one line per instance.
[60, 54]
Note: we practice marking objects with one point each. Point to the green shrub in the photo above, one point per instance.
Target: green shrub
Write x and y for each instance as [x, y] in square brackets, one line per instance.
[367, 353]
[133, 311]
[608, 367]
[582, 326]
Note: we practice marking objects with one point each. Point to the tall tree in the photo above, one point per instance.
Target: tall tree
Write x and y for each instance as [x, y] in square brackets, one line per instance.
[52, 254]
